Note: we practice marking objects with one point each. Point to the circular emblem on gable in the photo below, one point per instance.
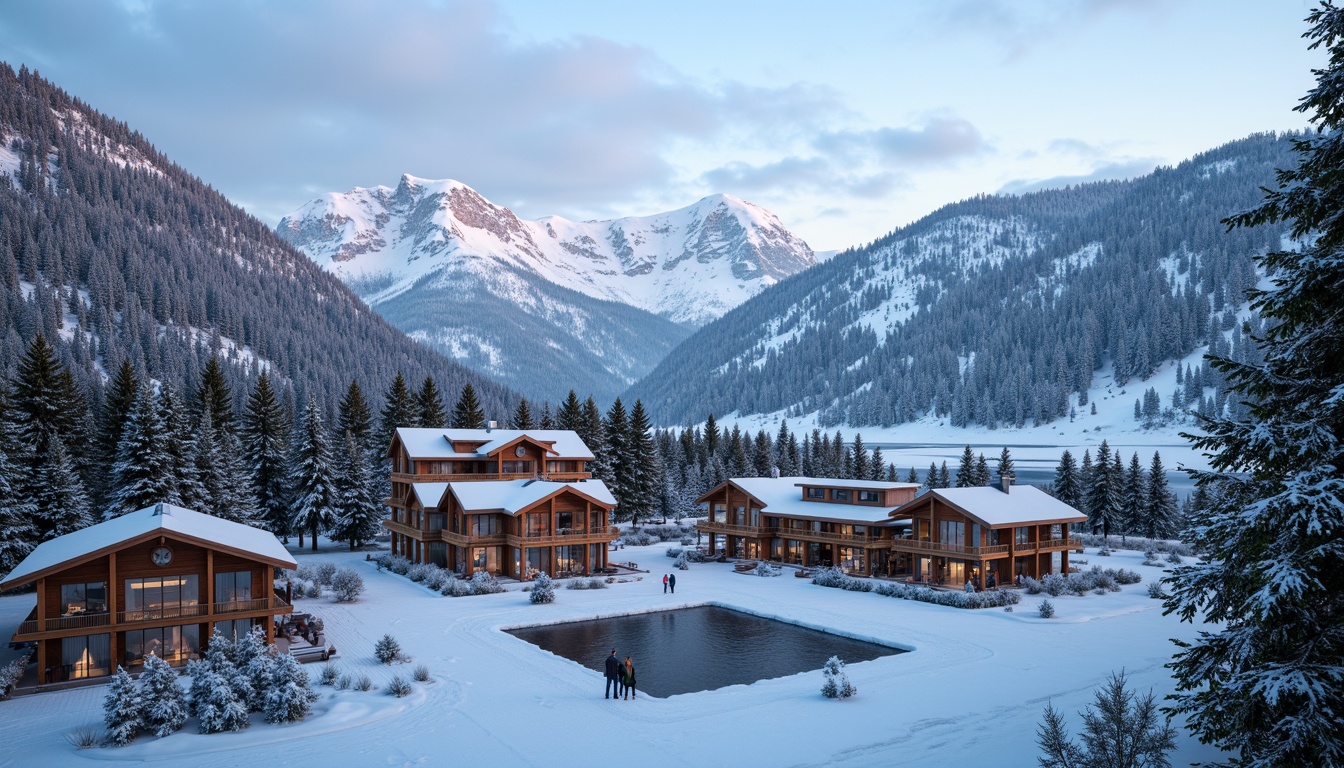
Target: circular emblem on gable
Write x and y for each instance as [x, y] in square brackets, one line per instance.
[161, 556]
[520, 451]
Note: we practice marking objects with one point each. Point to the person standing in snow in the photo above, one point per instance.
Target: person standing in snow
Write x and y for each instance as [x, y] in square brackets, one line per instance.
[664, 583]
[613, 676]
[630, 676]
[672, 582]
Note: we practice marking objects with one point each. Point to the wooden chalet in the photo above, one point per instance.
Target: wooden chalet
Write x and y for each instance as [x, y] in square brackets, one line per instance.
[156, 580]
[807, 521]
[509, 502]
[985, 535]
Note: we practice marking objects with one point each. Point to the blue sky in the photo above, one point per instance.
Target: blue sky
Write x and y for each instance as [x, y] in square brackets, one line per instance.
[847, 119]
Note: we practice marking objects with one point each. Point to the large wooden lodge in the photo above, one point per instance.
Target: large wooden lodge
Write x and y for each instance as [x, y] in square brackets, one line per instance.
[510, 502]
[158, 580]
[950, 536]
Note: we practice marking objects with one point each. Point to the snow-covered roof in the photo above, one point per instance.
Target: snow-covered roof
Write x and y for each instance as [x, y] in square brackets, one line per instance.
[513, 496]
[165, 519]
[1022, 505]
[874, 485]
[780, 496]
[421, 443]
[429, 494]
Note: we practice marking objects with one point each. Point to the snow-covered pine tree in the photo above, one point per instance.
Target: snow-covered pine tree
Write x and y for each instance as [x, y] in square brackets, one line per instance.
[1005, 464]
[522, 416]
[944, 479]
[215, 395]
[1103, 497]
[18, 535]
[142, 475]
[399, 410]
[1266, 681]
[1067, 486]
[163, 701]
[913, 477]
[931, 478]
[251, 660]
[118, 400]
[214, 701]
[547, 418]
[177, 434]
[616, 427]
[571, 413]
[982, 476]
[762, 451]
[646, 475]
[265, 443]
[467, 414]
[123, 712]
[356, 418]
[387, 649]
[1086, 473]
[543, 589]
[62, 504]
[288, 696]
[313, 477]
[1123, 731]
[877, 465]
[358, 513]
[429, 405]
[1159, 508]
[1133, 498]
[837, 685]
[966, 469]
[861, 458]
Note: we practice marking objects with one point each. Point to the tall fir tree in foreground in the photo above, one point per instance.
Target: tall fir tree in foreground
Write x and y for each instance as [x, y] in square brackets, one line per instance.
[399, 410]
[1266, 681]
[617, 430]
[522, 417]
[1159, 519]
[314, 506]
[467, 414]
[265, 443]
[966, 469]
[18, 535]
[61, 501]
[354, 417]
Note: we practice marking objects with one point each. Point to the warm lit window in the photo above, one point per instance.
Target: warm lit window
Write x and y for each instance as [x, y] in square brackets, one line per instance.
[84, 598]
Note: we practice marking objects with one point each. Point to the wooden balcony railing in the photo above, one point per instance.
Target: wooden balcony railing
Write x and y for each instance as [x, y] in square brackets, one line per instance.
[710, 526]
[559, 477]
[915, 545]
[844, 538]
[563, 535]
[97, 620]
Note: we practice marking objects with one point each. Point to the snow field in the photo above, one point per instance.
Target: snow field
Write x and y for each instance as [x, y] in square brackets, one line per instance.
[971, 692]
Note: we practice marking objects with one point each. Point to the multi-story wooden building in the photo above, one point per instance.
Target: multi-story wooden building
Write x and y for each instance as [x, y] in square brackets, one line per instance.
[985, 535]
[510, 502]
[807, 521]
[157, 580]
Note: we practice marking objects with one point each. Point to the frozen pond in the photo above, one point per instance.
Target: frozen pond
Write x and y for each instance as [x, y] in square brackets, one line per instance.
[700, 649]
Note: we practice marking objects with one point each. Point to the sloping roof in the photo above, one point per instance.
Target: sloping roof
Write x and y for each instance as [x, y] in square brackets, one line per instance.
[782, 496]
[165, 519]
[429, 494]
[421, 443]
[874, 485]
[513, 496]
[1022, 505]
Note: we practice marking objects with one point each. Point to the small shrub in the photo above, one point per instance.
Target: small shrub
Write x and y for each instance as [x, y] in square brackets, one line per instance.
[1104, 552]
[306, 571]
[399, 687]
[455, 587]
[1155, 590]
[1046, 609]
[1174, 558]
[347, 585]
[766, 569]
[387, 650]
[419, 571]
[314, 590]
[1032, 586]
[682, 562]
[421, 674]
[329, 674]
[695, 556]
[640, 538]
[686, 541]
[363, 683]
[343, 683]
[543, 590]
[436, 578]
[485, 583]
[837, 685]
[325, 571]
[673, 552]
[586, 583]
[11, 673]
[86, 737]
[1124, 576]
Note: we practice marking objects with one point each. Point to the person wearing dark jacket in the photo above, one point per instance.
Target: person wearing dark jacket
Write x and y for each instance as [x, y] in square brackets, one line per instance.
[672, 582]
[629, 676]
[614, 669]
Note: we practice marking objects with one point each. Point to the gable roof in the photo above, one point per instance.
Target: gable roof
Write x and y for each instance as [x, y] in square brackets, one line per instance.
[781, 496]
[422, 443]
[159, 520]
[513, 496]
[1022, 505]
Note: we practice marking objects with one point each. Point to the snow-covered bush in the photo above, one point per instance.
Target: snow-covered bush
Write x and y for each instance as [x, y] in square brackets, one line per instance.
[86, 737]
[586, 583]
[394, 563]
[1104, 552]
[363, 683]
[681, 563]
[1155, 590]
[288, 697]
[765, 569]
[485, 583]
[673, 552]
[314, 590]
[399, 686]
[306, 571]
[343, 683]
[685, 541]
[653, 534]
[324, 571]
[1174, 558]
[695, 556]
[837, 685]
[419, 571]
[436, 578]
[329, 674]
[347, 585]
[164, 703]
[543, 590]
[387, 650]
[214, 701]
[834, 577]
[421, 674]
[455, 587]
[1140, 543]
[12, 672]
[123, 711]
[1046, 609]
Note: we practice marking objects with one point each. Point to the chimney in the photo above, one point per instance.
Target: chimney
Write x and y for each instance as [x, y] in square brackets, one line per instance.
[1006, 482]
[489, 425]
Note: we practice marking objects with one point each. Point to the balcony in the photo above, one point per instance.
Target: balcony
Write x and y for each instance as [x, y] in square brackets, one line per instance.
[915, 545]
[559, 477]
[565, 536]
[162, 614]
[710, 526]
[829, 536]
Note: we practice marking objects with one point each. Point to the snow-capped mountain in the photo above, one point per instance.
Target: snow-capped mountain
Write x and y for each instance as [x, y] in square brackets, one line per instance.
[690, 265]
[550, 304]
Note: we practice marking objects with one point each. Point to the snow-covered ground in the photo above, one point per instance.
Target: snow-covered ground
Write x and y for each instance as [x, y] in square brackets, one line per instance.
[970, 693]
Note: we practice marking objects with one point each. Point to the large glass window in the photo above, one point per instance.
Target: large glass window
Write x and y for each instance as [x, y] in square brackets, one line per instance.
[951, 531]
[90, 597]
[487, 525]
[168, 643]
[816, 493]
[518, 467]
[1021, 535]
[569, 559]
[438, 553]
[162, 597]
[233, 587]
[86, 656]
[234, 628]
[720, 513]
[538, 525]
[840, 494]
[868, 496]
[538, 560]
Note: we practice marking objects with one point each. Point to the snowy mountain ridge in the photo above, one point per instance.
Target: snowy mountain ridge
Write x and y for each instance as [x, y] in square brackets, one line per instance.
[690, 265]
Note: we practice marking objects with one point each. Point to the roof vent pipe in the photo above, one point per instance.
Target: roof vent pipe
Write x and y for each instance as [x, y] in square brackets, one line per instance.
[489, 425]
[1006, 482]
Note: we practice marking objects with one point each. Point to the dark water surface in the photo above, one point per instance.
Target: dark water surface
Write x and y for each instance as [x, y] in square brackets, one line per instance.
[699, 649]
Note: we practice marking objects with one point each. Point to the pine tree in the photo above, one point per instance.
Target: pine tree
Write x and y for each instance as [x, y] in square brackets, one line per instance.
[861, 466]
[1067, 486]
[547, 419]
[646, 478]
[313, 509]
[399, 410]
[215, 395]
[944, 479]
[177, 438]
[522, 417]
[966, 470]
[543, 590]
[289, 697]
[61, 502]
[1104, 498]
[571, 413]
[18, 535]
[118, 400]
[913, 477]
[45, 401]
[981, 471]
[142, 476]
[931, 479]
[122, 709]
[594, 435]
[1123, 731]
[1159, 505]
[429, 405]
[878, 465]
[1266, 682]
[1005, 464]
[762, 454]
[1134, 498]
[354, 417]
[358, 512]
[164, 703]
[617, 430]
[467, 414]
[1086, 475]
[265, 441]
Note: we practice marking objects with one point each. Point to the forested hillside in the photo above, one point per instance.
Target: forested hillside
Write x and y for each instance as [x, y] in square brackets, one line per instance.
[996, 311]
[114, 253]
